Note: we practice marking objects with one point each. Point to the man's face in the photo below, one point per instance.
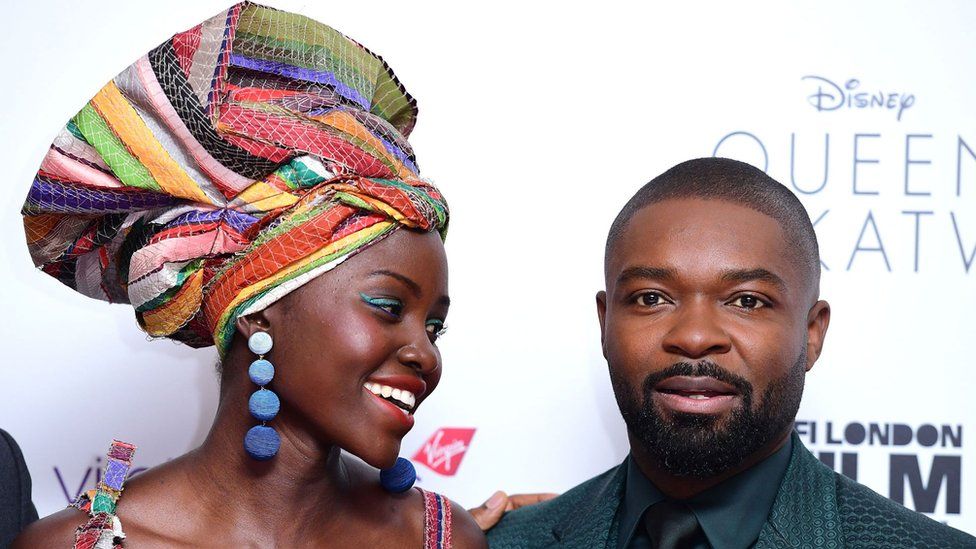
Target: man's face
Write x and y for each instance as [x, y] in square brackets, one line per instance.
[709, 325]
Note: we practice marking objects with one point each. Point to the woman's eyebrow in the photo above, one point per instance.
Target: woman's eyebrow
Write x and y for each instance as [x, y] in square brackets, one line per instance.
[407, 281]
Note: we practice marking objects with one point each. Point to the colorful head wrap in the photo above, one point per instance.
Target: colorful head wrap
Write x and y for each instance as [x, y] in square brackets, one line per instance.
[225, 168]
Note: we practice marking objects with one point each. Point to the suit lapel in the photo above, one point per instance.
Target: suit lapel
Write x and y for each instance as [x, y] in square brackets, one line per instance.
[591, 523]
[804, 513]
[805, 510]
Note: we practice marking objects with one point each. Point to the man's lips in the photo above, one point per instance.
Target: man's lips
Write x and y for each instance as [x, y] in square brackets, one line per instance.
[695, 394]
[684, 385]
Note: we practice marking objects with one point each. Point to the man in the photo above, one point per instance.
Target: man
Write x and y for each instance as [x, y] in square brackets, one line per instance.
[16, 508]
[710, 321]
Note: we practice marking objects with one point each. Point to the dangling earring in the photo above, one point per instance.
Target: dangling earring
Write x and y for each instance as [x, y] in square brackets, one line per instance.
[261, 442]
[398, 478]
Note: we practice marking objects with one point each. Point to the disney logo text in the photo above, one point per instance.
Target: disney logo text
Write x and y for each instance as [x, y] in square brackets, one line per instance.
[830, 97]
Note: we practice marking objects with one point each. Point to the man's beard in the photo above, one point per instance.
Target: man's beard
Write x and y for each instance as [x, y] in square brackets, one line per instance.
[701, 445]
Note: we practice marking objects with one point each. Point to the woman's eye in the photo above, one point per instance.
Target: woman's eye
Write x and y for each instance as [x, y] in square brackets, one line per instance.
[435, 329]
[748, 302]
[650, 299]
[390, 305]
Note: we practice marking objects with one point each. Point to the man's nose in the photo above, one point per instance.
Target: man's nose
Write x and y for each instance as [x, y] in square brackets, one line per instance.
[697, 332]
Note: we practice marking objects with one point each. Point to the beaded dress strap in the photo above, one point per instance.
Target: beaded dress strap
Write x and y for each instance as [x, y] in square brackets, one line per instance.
[437, 520]
[103, 529]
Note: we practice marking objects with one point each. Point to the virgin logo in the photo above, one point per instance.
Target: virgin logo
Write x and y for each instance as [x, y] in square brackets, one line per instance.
[443, 451]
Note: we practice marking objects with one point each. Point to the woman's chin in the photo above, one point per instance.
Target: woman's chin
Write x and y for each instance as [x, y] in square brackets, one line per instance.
[379, 458]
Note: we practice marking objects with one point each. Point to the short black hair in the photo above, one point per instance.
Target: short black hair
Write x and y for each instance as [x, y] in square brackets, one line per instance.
[735, 182]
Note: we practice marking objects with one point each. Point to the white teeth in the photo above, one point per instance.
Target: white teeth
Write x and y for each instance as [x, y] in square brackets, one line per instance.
[403, 396]
[697, 397]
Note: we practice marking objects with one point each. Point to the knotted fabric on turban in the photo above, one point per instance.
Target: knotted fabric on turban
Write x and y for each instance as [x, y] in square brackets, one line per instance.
[225, 168]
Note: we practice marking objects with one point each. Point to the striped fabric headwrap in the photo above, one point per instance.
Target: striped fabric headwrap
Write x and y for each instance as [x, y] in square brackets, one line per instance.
[225, 168]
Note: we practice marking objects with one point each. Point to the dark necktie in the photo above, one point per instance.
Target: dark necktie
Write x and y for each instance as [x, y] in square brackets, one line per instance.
[672, 525]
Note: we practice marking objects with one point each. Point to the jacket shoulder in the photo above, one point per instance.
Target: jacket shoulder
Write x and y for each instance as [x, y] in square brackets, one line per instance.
[17, 510]
[533, 526]
[11, 460]
[870, 520]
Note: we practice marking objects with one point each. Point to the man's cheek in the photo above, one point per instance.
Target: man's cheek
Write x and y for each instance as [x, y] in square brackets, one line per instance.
[632, 357]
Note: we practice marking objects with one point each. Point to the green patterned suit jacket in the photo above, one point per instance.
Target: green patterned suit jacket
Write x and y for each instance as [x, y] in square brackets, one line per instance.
[815, 508]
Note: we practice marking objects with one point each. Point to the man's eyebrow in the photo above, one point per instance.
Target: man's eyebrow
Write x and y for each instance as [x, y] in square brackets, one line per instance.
[409, 283]
[644, 272]
[748, 275]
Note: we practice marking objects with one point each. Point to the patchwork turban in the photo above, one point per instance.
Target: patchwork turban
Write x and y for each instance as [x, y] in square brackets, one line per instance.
[225, 168]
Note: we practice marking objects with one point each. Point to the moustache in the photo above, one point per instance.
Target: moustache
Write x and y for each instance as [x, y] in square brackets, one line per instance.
[704, 368]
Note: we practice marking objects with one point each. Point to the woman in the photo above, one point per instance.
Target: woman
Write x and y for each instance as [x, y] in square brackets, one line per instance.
[211, 185]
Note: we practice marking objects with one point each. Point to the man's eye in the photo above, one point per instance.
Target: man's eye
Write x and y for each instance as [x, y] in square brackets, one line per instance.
[390, 305]
[748, 302]
[650, 299]
[435, 329]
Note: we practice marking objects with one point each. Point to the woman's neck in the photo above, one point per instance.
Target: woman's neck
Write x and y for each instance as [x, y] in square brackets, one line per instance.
[306, 481]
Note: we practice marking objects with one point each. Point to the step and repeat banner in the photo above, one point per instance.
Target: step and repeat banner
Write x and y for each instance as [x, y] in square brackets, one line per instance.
[539, 122]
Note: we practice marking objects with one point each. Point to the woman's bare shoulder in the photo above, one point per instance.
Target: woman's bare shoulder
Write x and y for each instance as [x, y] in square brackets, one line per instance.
[57, 530]
[465, 531]
[410, 509]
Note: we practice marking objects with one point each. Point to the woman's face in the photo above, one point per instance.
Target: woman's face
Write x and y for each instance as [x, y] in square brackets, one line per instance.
[355, 349]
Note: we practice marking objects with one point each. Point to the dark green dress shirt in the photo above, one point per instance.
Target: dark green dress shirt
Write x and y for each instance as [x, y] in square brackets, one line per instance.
[731, 513]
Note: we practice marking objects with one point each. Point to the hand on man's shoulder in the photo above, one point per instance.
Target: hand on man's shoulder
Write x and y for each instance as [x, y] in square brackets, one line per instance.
[544, 523]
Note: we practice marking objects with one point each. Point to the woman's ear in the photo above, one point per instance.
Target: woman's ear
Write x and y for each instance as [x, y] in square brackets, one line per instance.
[254, 322]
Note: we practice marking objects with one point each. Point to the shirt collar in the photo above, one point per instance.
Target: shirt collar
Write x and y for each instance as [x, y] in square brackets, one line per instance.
[639, 494]
[731, 513]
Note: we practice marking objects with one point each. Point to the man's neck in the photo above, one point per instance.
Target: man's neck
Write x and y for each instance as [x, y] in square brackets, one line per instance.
[684, 487]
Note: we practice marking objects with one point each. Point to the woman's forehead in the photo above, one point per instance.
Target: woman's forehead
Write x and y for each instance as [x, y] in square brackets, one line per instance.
[416, 255]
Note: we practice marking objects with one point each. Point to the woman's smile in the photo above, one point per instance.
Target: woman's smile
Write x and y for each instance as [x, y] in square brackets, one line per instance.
[397, 395]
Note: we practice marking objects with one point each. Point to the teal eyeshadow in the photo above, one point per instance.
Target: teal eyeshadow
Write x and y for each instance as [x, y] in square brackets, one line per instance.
[379, 301]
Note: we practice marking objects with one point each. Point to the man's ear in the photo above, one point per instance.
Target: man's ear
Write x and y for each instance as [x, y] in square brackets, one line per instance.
[817, 322]
[254, 322]
[601, 311]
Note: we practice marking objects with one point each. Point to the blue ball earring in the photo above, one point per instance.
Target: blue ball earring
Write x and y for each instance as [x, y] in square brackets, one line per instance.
[262, 442]
[400, 477]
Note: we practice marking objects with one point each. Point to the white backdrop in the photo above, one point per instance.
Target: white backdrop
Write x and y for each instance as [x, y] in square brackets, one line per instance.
[538, 121]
